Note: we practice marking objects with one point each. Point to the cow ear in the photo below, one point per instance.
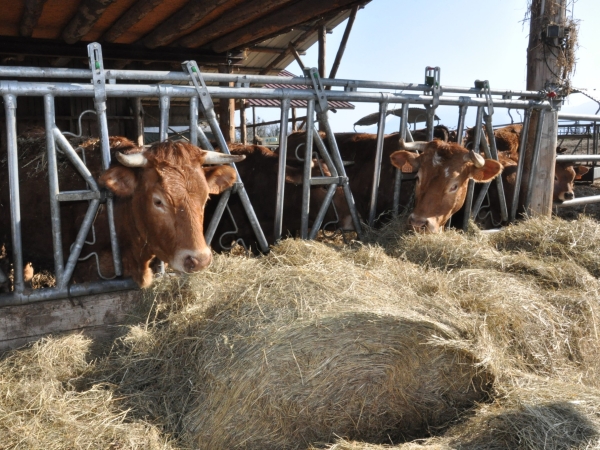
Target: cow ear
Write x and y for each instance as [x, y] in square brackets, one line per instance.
[490, 170]
[407, 162]
[219, 178]
[580, 171]
[120, 180]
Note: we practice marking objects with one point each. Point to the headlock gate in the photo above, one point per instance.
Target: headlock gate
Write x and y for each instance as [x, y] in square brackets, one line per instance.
[198, 89]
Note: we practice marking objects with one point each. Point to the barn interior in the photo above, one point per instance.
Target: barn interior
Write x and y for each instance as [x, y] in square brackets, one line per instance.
[227, 36]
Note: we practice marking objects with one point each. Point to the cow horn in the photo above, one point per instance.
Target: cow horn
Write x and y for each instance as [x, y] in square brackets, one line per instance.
[416, 146]
[477, 159]
[221, 158]
[132, 159]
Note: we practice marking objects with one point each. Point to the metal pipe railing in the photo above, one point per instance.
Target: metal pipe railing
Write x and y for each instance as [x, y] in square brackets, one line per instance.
[377, 167]
[176, 76]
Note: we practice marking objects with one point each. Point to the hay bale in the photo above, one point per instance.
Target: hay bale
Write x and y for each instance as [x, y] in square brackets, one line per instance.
[46, 402]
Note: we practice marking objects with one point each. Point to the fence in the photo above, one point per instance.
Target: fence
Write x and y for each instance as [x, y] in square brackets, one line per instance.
[194, 86]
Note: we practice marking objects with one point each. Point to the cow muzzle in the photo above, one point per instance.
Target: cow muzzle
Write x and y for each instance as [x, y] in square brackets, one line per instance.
[189, 261]
[423, 224]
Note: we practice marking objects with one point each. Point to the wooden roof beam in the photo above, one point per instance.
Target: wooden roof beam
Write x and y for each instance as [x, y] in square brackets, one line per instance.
[131, 17]
[280, 22]
[87, 15]
[342, 47]
[237, 18]
[31, 15]
[275, 51]
[193, 14]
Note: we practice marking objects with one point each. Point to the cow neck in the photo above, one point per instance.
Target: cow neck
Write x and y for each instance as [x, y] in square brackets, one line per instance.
[135, 252]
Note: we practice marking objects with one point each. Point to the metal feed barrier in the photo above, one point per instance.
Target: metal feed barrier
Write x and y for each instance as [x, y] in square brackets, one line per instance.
[431, 94]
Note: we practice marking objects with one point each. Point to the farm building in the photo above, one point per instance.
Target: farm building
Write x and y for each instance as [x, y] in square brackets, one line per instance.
[149, 296]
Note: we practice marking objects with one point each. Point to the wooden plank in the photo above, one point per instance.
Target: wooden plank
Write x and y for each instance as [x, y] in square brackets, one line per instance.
[322, 50]
[133, 15]
[227, 110]
[195, 14]
[87, 15]
[280, 21]
[232, 20]
[97, 315]
[31, 15]
[343, 43]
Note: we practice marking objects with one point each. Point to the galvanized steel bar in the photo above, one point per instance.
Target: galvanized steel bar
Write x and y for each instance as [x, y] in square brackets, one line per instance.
[70, 153]
[74, 290]
[520, 165]
[137, 90]
[575, 158]
[579, 201]
[534, 158]
[194, 120]
[471, 186]
[377, 166]
[49, 116]
[10, 110]
[322, 211]
[176, 76]
[163, 126]
[398, 173]
[216, 218]
[493, 154]
[579, 117]
[285, 112]
[310, 121]
[460, 128]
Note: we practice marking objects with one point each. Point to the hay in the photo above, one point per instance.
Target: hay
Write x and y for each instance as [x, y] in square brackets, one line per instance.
[433, 342]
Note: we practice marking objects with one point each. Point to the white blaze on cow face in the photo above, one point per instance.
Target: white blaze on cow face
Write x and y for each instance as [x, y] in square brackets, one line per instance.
[162, 201]
[443, 171]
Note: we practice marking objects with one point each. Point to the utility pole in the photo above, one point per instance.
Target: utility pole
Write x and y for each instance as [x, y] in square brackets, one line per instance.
[548, 71]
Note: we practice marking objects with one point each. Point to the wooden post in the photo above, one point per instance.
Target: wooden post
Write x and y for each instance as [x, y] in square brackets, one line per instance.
[227, 110]
[543, 72]
[254, 141]
[343, 43]
[243, 128]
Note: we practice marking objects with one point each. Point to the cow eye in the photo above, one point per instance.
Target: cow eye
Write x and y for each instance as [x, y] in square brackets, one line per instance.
[157, 201]
[454, 188]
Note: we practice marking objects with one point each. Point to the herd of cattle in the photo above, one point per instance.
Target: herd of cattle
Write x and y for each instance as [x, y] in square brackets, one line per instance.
[162, 195]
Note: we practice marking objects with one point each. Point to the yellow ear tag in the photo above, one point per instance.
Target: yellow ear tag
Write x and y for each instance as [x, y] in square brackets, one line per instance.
[407, 168]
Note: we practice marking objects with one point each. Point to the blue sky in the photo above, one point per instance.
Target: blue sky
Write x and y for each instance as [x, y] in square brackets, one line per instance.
[394, 40]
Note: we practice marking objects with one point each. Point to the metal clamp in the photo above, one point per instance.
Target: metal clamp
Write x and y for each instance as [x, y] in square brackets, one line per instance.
[98, 72]
[313, 74]
[192, 69]
[432, 79]
[485, 87]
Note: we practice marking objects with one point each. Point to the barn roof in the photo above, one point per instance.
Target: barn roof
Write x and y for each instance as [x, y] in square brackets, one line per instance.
[271, 103]
[254, 35]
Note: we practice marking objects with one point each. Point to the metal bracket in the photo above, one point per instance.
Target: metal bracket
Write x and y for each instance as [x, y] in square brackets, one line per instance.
[485, 87]
[432, 79]
[351, 86]
[313, 74]
[98, 72]
[191, 68]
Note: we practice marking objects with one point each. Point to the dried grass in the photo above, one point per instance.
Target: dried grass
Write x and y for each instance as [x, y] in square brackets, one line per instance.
[417, 341]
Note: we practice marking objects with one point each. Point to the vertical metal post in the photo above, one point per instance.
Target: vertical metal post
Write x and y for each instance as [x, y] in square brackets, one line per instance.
[285, 110]
[138, 120]
[519, 175]
[534, 157]
[493, 154]
[310, 113]
[194, 120]
[99, 83]
[398, 172]
[10, 109]
[471, 186]
[243, 126]
[460, 128]
[163, 126]
[378, 155]
[49, 115]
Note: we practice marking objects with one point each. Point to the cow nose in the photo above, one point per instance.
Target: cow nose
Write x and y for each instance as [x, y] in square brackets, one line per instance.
[569, 195]
[194, 263]
[417, 222]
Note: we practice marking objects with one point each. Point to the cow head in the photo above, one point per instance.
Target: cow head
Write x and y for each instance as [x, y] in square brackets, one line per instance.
[443, 171]
[162, 193]
[565, 174]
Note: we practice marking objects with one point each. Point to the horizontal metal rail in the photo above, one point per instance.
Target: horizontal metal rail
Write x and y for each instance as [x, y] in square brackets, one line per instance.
[584, 117]
[73, 290]
[575, 158]
[19, 88]
[176, 76]
[579, 201]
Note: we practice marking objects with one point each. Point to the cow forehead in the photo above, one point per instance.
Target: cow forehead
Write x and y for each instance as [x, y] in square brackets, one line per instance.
[449, 160]
[178, 182]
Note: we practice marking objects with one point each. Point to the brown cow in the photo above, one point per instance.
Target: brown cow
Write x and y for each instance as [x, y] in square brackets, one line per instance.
[358, 152]
[443, 171]
[259, 175]
[160, 195]
[507, 143]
